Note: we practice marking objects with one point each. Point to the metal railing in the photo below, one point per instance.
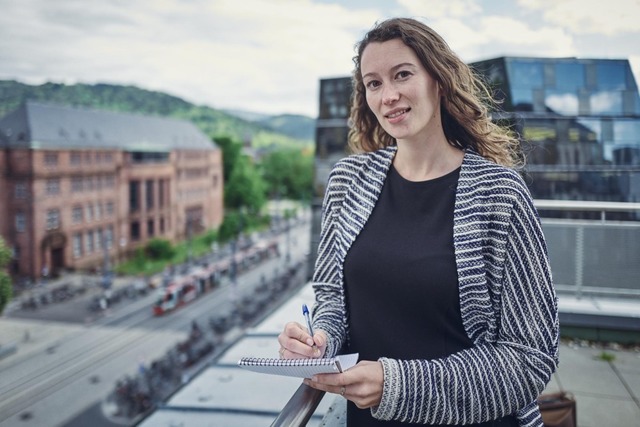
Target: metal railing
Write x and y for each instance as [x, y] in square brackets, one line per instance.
[299, 408]
[595, 257]
[587, 206]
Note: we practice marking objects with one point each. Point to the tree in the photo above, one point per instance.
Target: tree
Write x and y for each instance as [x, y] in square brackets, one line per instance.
[160, 249]
[231, 152]
[288, 173]
[245, 187]
[6, 291]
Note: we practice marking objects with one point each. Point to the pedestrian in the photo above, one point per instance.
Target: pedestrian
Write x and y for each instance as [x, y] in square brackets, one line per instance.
[432, 264]
[45, 274]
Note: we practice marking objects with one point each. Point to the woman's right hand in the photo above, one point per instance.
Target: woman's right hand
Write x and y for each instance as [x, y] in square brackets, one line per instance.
[296, 343]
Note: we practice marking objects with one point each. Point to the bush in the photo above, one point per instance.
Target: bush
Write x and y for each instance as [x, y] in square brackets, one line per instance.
[6, 291]
[159, 249]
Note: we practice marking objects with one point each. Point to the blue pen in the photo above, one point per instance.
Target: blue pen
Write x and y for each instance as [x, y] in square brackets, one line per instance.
[305, 312]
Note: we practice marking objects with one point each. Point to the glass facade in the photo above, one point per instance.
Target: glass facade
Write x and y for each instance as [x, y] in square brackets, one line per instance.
[579, 121]
[331, 128]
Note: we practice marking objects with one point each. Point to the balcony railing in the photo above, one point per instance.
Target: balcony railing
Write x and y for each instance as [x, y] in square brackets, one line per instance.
[593, 257]
[588, 257]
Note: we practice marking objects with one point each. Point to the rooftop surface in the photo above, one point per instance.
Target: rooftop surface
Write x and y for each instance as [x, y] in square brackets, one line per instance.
[604, 381]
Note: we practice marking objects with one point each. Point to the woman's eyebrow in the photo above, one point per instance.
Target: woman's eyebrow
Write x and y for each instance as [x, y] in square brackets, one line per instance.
[394, 68]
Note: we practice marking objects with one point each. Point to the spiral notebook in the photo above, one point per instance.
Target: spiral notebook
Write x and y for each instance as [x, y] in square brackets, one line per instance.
[301, 368]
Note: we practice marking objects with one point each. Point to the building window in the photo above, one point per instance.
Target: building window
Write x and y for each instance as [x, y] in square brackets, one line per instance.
[150, 228]
[75, 159]
[161, 185]
[76, 214]
[526, 74]
[98, 211]
[134, 231]
[89, 212]
[606, 103]
[110, 209]
[76, 184]
[77, 245]
[21, 222]
[149, 193]
[89, 243]
[20, 190]
[161, 225]
[88, 183]
[53, 219]
[99, 239]
[53, 187]
[108, 237]
[570, 76]
[611, 75]
[51, 159]
[134, 196]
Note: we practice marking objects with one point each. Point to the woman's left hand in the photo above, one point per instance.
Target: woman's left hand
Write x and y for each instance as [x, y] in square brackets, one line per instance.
[361, 384]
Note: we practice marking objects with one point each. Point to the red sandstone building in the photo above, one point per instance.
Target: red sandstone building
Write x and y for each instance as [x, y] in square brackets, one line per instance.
[78, 184]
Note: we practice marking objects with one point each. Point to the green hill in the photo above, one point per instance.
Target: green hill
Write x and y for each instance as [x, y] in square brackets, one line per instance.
[135, 100]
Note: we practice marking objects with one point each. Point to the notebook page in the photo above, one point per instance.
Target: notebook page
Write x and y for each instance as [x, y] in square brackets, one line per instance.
[300, 368]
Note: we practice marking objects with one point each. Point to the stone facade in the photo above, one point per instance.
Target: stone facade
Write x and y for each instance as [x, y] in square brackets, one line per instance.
[73, 207]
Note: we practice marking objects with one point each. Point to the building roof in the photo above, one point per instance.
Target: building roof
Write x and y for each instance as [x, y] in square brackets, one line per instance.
[49, 126]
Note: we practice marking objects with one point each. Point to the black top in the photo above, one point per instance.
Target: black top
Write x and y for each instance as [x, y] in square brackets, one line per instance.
[401, 280]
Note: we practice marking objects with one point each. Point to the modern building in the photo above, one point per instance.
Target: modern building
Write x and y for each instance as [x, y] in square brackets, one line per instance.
[81, 187]
[578, 119]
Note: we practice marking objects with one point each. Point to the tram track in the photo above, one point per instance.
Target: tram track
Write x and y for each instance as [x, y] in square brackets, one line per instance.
[86, 352]
[18, 395]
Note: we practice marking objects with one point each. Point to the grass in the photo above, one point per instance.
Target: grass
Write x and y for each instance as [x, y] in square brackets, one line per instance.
[143, 265]
[606, 356]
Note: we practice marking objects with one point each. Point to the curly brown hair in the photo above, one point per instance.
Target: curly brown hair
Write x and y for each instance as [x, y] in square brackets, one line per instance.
[465, 103]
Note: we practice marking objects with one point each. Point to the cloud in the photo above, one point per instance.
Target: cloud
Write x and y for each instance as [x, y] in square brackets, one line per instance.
[564, 103]
[589, 16]
[475, 32]
[435, 10]
[269, 55]
[252, 55]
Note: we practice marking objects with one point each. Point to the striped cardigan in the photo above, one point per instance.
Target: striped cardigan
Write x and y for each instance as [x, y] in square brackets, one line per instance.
[507, 300]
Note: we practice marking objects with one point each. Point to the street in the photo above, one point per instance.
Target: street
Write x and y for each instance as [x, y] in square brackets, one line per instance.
[68, 380]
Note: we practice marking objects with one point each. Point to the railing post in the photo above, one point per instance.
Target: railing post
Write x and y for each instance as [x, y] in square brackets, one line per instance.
[300, 408]
[579, 260]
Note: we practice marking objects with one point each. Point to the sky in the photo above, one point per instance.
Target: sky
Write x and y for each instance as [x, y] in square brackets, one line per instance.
[267, 56]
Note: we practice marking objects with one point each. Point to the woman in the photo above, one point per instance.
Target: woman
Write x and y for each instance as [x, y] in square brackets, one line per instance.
[432, 264]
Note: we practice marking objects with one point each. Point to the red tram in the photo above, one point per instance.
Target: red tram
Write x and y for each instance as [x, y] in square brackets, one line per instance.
[184, 289]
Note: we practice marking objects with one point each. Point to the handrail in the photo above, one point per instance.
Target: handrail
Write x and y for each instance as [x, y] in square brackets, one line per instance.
[586, 205]
[300, 408]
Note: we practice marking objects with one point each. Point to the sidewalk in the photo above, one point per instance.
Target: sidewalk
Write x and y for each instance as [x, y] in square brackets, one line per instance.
[607, 392]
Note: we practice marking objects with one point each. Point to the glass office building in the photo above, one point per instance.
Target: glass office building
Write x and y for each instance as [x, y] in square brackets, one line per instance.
[578, 119]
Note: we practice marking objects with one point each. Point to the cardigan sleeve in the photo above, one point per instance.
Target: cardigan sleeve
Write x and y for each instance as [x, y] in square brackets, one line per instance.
[499, 376]
[328, 310]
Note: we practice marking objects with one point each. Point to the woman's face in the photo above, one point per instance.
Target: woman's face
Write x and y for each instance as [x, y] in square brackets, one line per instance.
[400, 92]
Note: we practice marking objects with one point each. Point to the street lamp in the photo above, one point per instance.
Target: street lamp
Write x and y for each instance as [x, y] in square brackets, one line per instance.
[189, 241]
[106, 268]
[234, 263]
